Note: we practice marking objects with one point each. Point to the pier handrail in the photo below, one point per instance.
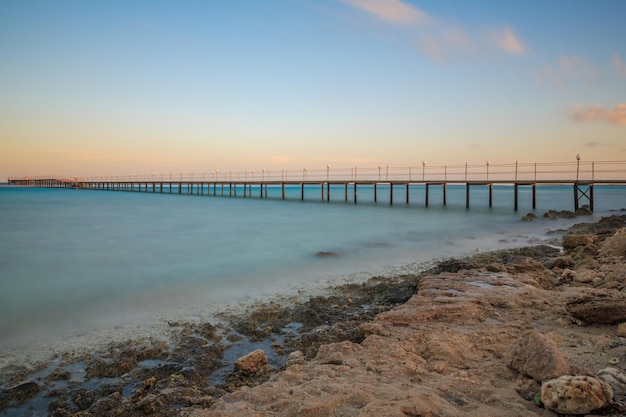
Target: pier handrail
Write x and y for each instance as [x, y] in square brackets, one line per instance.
[595, 171]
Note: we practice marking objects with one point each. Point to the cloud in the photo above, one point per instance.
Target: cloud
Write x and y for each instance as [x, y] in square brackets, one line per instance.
[392, 11]
[566, 70]
[506, 40]
[620, 67]
[439, 40]
[616, 115]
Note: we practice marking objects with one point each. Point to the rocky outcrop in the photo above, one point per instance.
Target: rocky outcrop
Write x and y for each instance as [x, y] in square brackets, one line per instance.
[615, 245]
[252, 362]
[575, 394]
[598, 306]
[537, 356]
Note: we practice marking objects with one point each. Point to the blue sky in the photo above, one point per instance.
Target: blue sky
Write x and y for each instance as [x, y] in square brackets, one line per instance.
[118, 87]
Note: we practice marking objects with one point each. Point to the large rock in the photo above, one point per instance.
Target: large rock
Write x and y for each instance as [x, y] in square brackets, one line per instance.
[615, 245]
[537, 356]
[252, 362]
[575, 394]
[574, 241]
[598, 306]
[615, 378]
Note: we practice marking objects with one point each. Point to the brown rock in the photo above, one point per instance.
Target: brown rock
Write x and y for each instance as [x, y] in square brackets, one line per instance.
[252, 362]
[560, 262]
[537, 356]
[621, 330]
[615, 245]
[574, 241]
[575, 394]
[599, 306]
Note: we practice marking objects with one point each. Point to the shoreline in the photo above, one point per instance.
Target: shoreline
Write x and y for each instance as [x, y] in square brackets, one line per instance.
[129, 364]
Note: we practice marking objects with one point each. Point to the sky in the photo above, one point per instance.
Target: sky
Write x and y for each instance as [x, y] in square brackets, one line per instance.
[91, 88]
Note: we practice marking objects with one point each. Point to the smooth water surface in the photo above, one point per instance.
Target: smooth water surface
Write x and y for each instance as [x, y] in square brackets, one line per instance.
[71, 260]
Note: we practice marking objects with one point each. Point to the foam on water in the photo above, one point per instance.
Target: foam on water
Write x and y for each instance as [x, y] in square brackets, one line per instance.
[73, 263]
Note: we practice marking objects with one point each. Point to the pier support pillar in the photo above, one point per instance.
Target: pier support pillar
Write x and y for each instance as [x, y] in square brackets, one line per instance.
[583, 192]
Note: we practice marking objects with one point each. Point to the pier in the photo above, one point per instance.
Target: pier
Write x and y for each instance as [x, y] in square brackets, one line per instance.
[581, 176]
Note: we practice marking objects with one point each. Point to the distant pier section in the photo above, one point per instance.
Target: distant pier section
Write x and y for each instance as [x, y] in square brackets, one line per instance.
[582, 176]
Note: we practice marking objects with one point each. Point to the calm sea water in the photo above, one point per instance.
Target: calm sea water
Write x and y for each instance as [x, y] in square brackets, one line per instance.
[73, 260]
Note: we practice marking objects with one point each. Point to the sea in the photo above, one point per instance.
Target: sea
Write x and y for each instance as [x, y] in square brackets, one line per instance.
[77, 263]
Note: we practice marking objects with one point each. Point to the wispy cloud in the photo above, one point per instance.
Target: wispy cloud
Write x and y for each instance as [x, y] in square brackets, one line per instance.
[506, 39]
[619, 65]
[566, 70]
[615, 115]
[441, 41]
[393, 11]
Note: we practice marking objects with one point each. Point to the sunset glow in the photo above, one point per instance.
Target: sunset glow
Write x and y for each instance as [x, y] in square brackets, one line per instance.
[117, 87]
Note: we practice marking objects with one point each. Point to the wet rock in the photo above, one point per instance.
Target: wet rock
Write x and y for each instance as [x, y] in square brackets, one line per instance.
[564, 214]
[598, 306]
[537, 356]
[615, 245]
[584, 211]
[560, 262]
[326, 254]
[19, 394]
[575, 241]
[252, 362]
[529, 217]
[621, 330]
[575, 394]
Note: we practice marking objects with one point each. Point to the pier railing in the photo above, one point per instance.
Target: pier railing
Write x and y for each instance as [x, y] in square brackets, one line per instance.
[518, 172]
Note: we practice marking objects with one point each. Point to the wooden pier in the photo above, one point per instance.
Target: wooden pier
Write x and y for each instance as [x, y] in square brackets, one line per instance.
[349, 181]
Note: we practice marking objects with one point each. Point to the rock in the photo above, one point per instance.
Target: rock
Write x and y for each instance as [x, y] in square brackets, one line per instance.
[575, 394]
[252, 362]
[584, 211]
[326, 254]
[598, 306]
[615, 245]
[615, 378]
[19, 394]
[565, 214]
[560, 262]
[529, 217]
[585, 276]
[538, 357]
[574, 241]
[621, 330]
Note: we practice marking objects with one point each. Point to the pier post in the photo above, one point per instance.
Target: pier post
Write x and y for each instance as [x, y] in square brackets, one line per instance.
[534, 196]
[515, 196]
[407, 193]
[490, 195]
[426, 194]
[354, 192]
[302, 191]
[328, 191]
[375, 193]
[444, 185]
[467, 193]
[282, 190]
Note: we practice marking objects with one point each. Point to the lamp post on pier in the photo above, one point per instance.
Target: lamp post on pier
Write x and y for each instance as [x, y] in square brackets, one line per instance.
[488, 163]
[577, 165]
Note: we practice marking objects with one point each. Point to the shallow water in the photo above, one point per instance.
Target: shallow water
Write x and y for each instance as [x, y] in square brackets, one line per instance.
[72, 261]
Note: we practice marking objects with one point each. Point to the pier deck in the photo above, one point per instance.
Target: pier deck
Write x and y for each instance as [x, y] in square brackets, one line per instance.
[398, 180]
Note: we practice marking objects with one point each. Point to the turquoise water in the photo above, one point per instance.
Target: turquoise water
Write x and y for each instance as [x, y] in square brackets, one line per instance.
[72, 260]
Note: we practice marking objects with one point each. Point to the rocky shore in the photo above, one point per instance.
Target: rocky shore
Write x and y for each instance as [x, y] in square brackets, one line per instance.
[531, 331]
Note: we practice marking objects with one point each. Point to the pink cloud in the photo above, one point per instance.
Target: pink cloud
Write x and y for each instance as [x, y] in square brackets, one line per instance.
[393, 11]
[616, 115]
[506, 40]
[619, 65]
